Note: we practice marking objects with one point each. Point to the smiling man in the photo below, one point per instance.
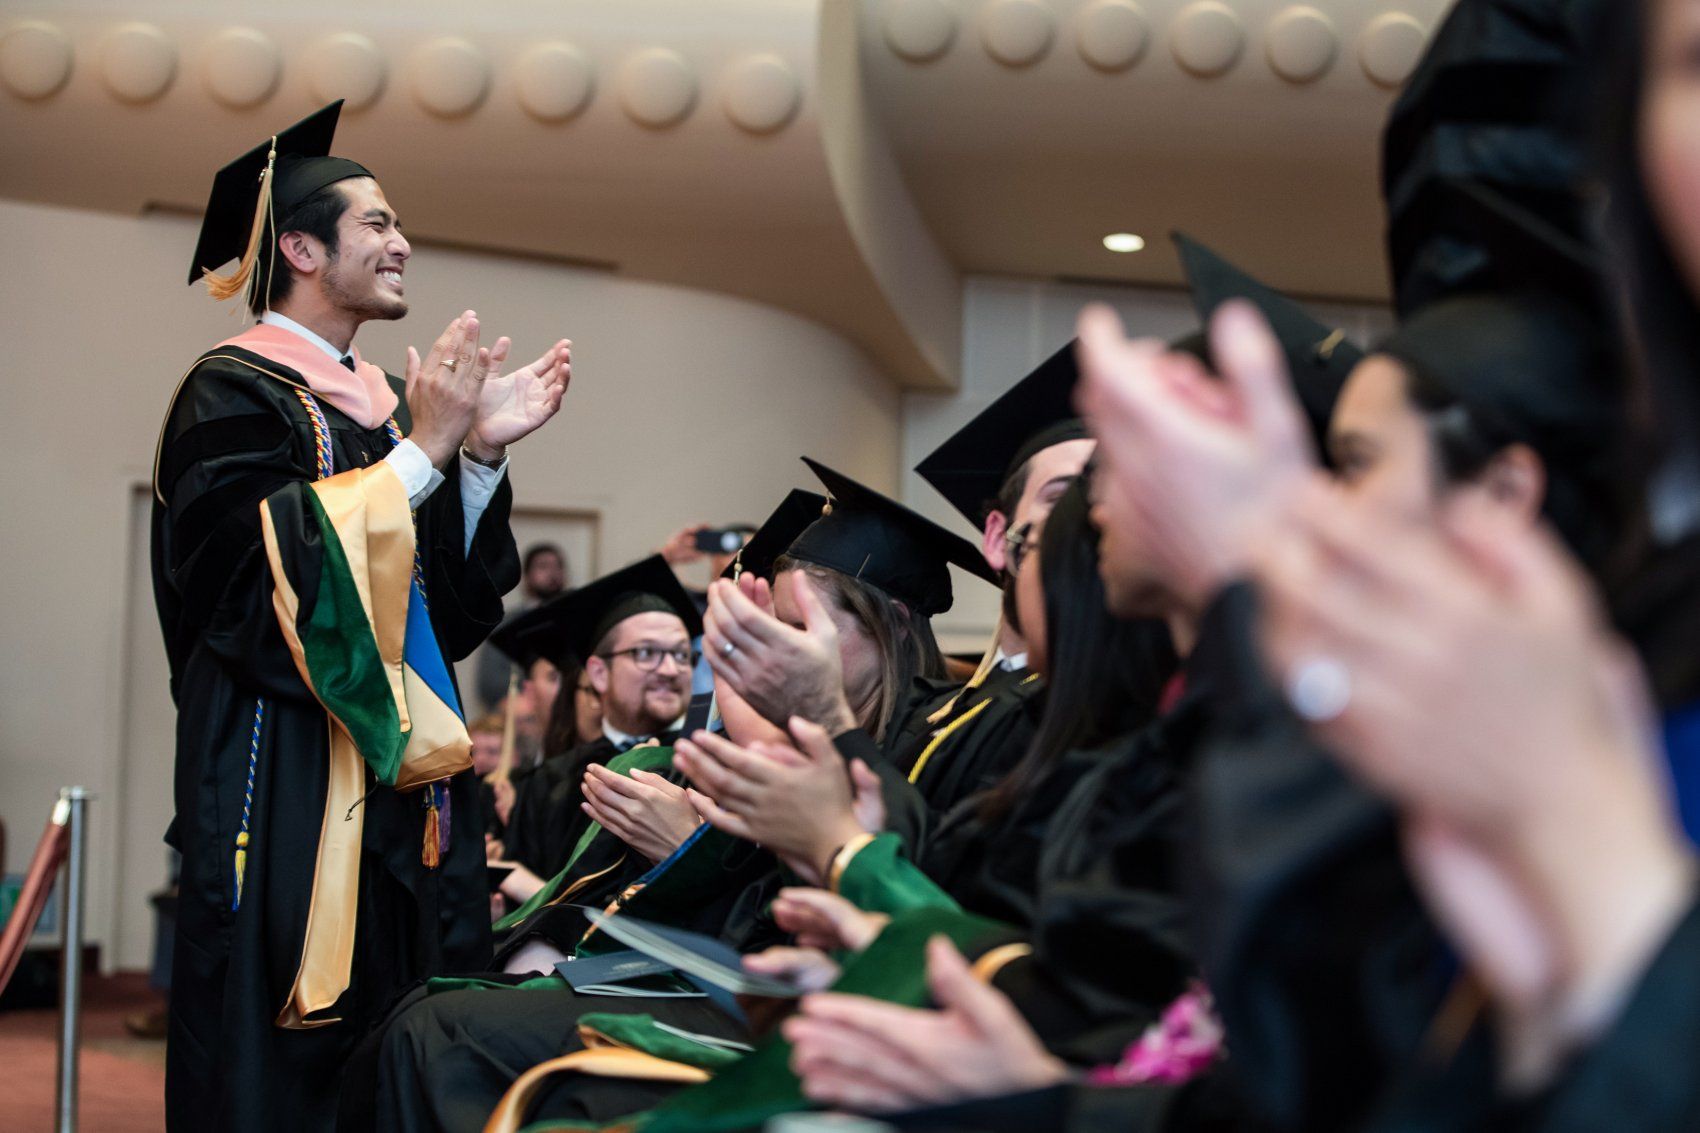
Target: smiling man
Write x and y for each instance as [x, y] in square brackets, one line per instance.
[327, 540]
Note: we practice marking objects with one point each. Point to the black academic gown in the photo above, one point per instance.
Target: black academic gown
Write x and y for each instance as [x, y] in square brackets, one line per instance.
[1325, 967]
[533, 840]
[1110, 943]
[985, 734]
[234, 437]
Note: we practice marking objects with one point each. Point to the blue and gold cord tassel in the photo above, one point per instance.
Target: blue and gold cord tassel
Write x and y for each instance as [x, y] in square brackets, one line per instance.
[247, 804]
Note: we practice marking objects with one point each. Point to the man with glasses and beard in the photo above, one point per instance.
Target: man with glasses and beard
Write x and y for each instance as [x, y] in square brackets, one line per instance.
[634, 629]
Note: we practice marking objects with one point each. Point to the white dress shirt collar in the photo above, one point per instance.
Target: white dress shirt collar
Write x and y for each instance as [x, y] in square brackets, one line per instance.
[272, 318]
[620, 739]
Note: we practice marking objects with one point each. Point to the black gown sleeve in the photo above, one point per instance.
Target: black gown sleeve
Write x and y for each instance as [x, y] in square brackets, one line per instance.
[906, 813]
[1322, 961]
[229, 443]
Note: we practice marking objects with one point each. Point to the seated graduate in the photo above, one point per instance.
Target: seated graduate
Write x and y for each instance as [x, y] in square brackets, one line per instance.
[574, 718]
[634, 630]
[1003, 470]
[1538, 809]
[1106, 676]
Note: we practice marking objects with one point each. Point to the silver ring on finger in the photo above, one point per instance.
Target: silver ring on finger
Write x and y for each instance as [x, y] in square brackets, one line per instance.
[728, 649]
[450, 364]
[1319, 689]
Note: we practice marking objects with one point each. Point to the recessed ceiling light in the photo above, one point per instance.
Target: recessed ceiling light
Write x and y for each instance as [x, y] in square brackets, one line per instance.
[1124, 242]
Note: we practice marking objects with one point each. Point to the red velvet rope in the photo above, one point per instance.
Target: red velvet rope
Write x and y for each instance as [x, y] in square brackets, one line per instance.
[38, 884]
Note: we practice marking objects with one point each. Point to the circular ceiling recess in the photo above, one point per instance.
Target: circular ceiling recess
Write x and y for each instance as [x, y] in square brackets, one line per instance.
[1112, 35]
[450, 77]
[350, 67]
[35, 59]
[555, 82]
[242, 67]
[919, 30]
[761, 94]
[137, 62]
[1017, 33]
[1207, 38]
[1390, 47]
[1301, 45]
[657, 87]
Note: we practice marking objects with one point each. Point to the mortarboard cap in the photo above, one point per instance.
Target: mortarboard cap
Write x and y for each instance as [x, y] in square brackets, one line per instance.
[254, 193]
[971, 466]
[1504, 94]
[569, 628]
[1319, 357]
[871, 537]
[799, 509]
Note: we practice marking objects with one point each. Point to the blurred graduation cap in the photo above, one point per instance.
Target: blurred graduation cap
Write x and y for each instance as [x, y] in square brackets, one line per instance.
[971, 466]
[252, 194]
[871, 537]
[1503, 96]
[794, 513]
[569, 628]
[1319, 357]
[1533, 345]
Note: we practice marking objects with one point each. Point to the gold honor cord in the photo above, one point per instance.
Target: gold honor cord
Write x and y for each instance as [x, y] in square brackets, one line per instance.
[944, 733]
[988, 661]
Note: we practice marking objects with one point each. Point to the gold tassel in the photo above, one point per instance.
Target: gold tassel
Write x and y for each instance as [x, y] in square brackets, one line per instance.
[429, 854]
[241, 862]
[222, 287]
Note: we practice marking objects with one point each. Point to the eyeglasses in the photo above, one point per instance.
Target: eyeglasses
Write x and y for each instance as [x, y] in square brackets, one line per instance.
[648, 657]
[1021, 540]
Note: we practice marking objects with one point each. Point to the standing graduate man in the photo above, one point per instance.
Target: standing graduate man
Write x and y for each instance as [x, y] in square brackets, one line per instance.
[326, 541]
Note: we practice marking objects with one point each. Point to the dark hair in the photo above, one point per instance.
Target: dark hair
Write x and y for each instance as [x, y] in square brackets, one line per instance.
[1105, 675]
[560, 734]
[317, 216]
[536, 549]
[1575, 429]
[1660, 311]
[904, 639]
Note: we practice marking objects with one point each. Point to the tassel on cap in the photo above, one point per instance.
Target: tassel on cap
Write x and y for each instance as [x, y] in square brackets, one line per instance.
[241, 278]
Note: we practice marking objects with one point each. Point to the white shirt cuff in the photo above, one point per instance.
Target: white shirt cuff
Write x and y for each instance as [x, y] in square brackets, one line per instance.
[418, 478]
[478, 483]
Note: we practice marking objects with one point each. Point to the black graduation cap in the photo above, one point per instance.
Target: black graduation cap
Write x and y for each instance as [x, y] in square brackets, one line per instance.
[257, 190]
[570, 627]
[1319, 357]
[794, 513]
[1495, 242]
[971, 466]
[1504, 94]
[1533, 348]
[872, 537]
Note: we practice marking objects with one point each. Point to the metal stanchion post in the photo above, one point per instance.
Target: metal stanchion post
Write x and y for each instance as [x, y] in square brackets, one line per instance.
[71, 956]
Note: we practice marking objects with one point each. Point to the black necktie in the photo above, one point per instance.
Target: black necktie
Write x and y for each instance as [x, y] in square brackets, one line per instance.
[348, 360]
